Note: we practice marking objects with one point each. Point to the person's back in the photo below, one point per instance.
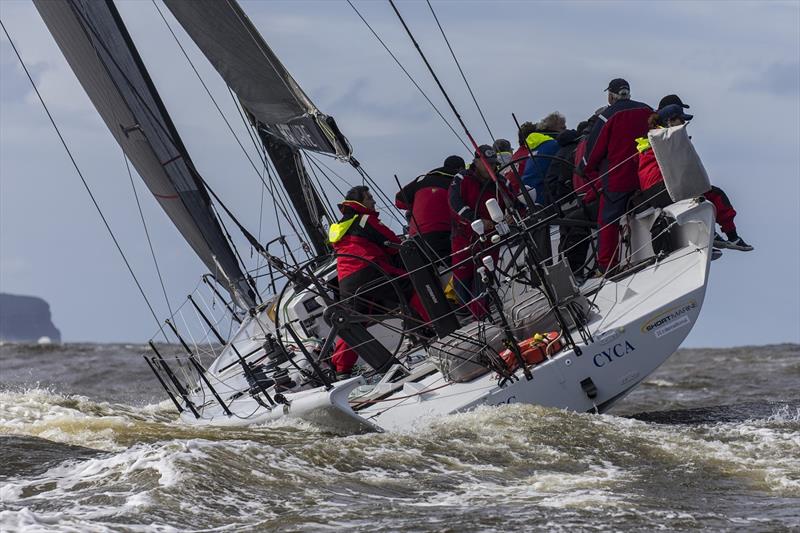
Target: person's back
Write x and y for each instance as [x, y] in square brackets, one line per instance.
[426, 199]
[558, 180]
[611, 145]
[610, 162]
[542, 147]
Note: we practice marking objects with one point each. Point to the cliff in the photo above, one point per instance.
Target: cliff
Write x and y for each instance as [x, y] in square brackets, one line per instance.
[25, 319]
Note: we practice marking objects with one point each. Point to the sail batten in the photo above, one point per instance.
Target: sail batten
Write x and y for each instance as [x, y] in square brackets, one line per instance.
[96, 44]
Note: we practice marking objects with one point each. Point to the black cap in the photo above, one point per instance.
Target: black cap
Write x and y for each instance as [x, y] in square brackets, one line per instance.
[671, 99]
[488, 152]
[617, 85]
[672, 111]
[454, 162]
[503, 145]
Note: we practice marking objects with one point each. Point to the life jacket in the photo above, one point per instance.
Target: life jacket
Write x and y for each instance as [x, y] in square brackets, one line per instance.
[360, 234]
[533, 350]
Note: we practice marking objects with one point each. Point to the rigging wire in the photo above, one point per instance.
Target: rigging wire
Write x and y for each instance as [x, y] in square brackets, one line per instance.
[276, 192]
[146, 232]
[410, 77]
[85, 183]
[214, 101]
[327, 205]
[463, 76]
[366, 178]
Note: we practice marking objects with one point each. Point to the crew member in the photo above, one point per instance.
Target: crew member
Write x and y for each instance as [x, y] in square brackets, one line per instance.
[468, 195]
[611, 160]
[520, 157]
[425, 199]
[364, 248]
[651, 180]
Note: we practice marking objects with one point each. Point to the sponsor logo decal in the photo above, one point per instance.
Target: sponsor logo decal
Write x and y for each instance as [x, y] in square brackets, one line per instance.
[616, 351]
[671, 320]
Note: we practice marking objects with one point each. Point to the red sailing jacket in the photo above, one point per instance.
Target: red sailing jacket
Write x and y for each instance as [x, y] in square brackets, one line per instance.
[360, 233]
[468, 196]
[579, 182]
[649, 171]
[520, 156]
[611, 145]
[426, 197]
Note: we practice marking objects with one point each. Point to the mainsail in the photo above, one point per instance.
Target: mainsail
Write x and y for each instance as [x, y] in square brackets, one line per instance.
[100, 51]
[284, 116]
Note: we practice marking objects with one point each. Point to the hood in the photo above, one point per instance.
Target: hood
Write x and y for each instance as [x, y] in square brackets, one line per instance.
[535, 139]
[568, 137]
[351, 207]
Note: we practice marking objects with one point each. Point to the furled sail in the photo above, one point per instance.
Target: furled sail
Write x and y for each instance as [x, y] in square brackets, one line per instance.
[228, 38]
[100, 51]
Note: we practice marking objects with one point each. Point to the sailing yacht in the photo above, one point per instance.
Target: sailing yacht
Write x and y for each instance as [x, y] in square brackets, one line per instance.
[604, 337]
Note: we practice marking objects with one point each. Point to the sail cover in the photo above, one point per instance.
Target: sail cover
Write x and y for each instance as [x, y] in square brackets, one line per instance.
[221, 29]
[100, 51]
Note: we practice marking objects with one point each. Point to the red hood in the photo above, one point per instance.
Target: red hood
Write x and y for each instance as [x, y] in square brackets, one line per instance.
[356, 207]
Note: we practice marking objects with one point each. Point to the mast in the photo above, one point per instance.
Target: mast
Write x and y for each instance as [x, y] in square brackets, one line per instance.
[285, 118]
[99, 49]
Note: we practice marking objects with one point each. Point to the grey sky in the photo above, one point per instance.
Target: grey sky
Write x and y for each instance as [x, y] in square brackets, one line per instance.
[737, 64]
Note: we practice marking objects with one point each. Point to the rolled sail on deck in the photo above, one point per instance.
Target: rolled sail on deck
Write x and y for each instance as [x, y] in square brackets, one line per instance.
[100, 51]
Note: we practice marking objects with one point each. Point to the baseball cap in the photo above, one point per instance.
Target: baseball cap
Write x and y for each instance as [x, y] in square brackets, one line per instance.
[454, 162]
[618, 85]
[672, 99]
[503, 145]
[672, 111]
[488, 152]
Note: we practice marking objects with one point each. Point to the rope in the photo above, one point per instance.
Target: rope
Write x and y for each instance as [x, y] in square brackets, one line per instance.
[410, 78]
[147, 232]
[463, 76]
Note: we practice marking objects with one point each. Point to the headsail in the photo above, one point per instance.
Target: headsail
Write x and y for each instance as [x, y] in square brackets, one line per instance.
[284, 116]
[100, 51]
[229, 40]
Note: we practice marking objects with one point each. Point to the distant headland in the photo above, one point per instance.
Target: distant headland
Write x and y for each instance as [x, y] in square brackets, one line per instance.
[26, 319]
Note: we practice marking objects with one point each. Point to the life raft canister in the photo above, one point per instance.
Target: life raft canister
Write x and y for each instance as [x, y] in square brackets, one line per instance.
[533, 350]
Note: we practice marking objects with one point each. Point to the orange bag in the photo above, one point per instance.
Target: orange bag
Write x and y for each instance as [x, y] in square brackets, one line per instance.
[533, 350]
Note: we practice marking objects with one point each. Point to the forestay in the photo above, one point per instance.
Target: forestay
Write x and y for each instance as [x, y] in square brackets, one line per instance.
[100, 51]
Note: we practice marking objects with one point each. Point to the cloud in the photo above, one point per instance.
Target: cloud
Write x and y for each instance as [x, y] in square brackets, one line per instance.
[528, 58]
[778, 79]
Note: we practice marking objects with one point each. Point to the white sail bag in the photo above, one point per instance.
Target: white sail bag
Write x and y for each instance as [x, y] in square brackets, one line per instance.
[684, 174]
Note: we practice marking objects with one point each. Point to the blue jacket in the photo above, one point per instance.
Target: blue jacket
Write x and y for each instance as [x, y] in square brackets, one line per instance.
[536, 168]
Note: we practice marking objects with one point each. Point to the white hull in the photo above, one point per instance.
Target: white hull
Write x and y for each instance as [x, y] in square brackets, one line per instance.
[638, 323]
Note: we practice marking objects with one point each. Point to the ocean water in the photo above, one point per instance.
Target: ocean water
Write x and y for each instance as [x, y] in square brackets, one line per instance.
[711, 442]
